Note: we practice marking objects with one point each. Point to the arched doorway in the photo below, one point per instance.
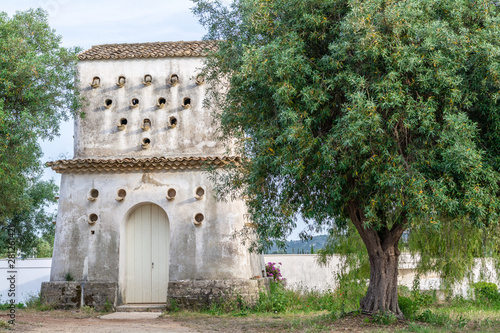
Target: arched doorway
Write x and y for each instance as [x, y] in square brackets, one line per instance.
[147, 255]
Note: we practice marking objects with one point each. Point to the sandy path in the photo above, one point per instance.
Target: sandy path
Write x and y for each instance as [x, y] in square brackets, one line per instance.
[72, 322]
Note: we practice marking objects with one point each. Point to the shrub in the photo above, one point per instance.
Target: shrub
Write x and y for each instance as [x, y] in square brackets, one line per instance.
[486, 290]
[276, 300]
[434, 318]
[385, 318]
[273, 271]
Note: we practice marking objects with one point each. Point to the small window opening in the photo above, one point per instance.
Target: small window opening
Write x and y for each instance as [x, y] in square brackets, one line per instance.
[108, 103]
[161, 102]
[123, 124]
[96, 82]
[199, 79]
[172, 122]
[92, 218]
[121, 195]
[134, 102]
[121, 81]
[198, 218]
[200, 192]
[174, 79]
[146, 125]
[92, 232]
[93, 195]
[171, 193]
[186, 102]
[148, 79]
[145, 143]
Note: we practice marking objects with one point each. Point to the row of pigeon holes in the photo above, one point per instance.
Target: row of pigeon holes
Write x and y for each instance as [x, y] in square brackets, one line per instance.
[160, 104]
[173, 80]
[199, 194]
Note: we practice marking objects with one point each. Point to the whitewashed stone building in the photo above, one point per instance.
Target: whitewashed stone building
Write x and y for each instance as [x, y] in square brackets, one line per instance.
[137, 219]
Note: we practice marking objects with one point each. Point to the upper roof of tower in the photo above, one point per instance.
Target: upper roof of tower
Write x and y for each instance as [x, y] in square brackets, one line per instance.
[149, 50]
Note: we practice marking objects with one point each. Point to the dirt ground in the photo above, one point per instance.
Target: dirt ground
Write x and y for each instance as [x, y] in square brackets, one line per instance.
[80, 322]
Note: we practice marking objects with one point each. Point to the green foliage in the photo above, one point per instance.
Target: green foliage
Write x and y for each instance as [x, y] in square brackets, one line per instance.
[37, 90]
[487, 291]
[108, 305]
[434, 318]
[174, 307]
[273, 271]
[384, 114]
[34, 230]
[69, 277]
[411, 302]
[277, 300]
[35, 302]
[372, 102]
[88, 310]
[384, 318]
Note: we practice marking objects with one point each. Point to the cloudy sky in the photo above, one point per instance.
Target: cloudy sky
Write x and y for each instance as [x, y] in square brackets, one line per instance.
[93, 22]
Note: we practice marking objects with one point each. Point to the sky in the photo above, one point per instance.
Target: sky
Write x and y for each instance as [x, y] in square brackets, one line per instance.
[93, 22]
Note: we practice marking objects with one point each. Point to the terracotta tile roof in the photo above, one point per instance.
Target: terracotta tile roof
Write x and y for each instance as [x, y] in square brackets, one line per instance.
[132, 164]
[149, 50]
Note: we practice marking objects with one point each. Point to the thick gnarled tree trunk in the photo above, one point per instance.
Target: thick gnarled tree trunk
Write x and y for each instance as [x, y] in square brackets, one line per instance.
[383, 253]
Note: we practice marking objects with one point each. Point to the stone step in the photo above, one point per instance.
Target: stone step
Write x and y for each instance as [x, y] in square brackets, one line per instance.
[154, 307]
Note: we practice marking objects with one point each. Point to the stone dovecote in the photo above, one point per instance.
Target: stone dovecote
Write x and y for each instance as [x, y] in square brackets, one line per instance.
[136, 208]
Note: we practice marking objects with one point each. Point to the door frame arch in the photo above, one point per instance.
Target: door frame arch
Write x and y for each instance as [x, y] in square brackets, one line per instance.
[122, 267]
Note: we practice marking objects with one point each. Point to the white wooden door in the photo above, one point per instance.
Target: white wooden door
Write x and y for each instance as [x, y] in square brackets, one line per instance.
[148, 240]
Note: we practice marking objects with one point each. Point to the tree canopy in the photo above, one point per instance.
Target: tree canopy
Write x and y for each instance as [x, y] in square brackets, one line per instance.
[378, 114]
[38, 89]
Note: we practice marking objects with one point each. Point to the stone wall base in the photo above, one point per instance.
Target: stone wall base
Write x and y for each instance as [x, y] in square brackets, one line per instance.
[193, 294]
[68, 295]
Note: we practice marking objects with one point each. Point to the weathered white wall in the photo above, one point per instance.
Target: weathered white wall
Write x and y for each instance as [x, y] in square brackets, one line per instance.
[30, 274]
[303, 271]
[97, 252]
[208, 251]
[97, 135]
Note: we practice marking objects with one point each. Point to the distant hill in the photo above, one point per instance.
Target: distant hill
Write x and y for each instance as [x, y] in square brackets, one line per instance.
[301, 247]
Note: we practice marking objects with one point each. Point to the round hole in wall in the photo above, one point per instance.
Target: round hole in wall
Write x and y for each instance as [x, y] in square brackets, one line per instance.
[94, 193]
[161, 102]
[200, 192]
[172, 122]
[121, 81]
[146, 141]
[186, 102]
[174, 79]
[123, 121]
[148, 79]
[146, 122]
[171, 193]
[122, 193]
[134, 102]
[96, 82]
[93, 218]
[199, 79]
[198, 218]
[108, 103]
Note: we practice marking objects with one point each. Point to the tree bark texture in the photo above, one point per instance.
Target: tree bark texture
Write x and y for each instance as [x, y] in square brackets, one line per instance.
[383, 253]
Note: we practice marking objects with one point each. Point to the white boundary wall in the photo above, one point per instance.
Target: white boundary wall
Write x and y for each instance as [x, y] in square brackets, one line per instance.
[303, 271]
[29, 275]
[300, 270]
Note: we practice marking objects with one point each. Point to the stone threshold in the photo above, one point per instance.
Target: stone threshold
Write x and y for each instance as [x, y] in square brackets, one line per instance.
[142, 307]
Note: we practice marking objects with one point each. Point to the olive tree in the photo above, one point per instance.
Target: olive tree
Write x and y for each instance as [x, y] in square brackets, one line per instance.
[38, 90]
[380, 113]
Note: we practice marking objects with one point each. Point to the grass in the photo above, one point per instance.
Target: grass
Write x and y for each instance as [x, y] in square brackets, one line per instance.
[285, 310]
